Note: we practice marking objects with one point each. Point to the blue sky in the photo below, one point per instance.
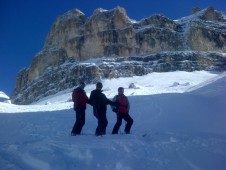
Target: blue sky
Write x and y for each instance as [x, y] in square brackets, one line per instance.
[26, 23]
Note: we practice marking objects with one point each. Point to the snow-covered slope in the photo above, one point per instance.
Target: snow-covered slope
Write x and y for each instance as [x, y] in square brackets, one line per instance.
[4, 98]
[3, 95]
[172, 129]
[154, 83]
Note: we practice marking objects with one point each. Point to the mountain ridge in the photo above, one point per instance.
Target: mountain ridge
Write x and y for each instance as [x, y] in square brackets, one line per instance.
[127, 48]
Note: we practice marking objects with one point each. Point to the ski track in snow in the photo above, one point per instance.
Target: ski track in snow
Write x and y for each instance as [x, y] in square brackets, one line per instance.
[58, 150]
[155, 151]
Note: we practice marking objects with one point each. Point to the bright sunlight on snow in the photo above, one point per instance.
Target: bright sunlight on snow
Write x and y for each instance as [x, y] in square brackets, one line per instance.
[179, 124]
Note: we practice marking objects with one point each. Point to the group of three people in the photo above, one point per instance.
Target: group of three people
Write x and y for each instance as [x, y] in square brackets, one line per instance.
[120, 105]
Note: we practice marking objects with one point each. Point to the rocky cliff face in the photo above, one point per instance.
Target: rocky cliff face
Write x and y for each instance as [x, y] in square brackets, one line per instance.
[122, 47]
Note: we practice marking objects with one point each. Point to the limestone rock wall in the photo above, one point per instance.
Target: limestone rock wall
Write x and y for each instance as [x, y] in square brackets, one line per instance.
[75, 38]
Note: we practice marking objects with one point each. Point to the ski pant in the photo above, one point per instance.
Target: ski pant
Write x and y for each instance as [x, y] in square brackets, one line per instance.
[80, 121]
[102, 124]
[127, 118]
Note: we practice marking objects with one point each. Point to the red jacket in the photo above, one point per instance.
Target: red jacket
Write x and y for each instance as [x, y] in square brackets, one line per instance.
[79, 98]
[123, 104]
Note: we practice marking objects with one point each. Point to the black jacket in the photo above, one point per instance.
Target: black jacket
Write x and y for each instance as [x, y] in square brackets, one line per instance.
[99, 102]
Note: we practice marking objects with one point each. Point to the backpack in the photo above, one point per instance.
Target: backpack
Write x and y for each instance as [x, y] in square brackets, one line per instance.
[123, 104]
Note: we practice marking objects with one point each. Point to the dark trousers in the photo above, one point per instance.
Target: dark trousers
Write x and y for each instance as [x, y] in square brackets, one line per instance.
[127, 118]
[102, 124]
[80, 121]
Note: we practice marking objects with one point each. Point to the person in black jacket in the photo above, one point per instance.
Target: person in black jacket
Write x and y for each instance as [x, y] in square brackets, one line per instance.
[99, 102]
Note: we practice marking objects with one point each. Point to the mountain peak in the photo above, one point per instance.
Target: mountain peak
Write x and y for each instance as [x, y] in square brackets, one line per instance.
[207, 14]
[211, 14]
[103, 14]
[73, 13]
[116, 9]
[75, 38]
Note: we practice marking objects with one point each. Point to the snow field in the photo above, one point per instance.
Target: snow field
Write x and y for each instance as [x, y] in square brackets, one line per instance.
[184, 130]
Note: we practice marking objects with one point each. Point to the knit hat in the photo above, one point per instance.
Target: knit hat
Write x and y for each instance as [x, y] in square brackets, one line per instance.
[99, 85]
[120, 89]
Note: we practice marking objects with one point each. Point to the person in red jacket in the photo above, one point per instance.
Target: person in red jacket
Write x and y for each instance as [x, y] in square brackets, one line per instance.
[80, 99]
[122, 111]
